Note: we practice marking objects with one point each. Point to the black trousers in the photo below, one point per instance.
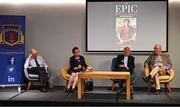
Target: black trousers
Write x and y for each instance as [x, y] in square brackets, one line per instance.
[41, 71]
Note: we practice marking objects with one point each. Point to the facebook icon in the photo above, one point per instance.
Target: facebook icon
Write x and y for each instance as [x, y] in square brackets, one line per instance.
[12, 60]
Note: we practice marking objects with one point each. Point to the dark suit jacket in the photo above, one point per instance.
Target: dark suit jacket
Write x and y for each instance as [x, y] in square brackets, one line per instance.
[120, 60]
[74, 63]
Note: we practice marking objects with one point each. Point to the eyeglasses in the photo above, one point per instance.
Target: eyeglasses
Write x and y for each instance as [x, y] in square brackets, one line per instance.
[76, 51]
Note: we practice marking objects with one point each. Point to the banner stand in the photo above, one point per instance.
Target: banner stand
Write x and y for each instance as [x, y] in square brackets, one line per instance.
[14, 85]
[12, 51]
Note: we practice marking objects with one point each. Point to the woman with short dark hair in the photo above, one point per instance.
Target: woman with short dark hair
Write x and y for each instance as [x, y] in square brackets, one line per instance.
[77, 64]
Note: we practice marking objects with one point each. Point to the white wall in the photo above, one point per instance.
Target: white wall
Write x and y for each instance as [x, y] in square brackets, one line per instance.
[55, 29]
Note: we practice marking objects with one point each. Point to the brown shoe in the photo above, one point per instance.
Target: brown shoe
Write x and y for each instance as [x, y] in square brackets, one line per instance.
[146, 79]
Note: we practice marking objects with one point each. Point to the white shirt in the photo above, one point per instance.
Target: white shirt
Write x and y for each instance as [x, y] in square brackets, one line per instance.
[30, 62]
[125, 60]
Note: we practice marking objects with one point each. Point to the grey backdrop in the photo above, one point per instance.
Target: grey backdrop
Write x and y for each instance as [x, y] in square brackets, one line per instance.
[55, 29]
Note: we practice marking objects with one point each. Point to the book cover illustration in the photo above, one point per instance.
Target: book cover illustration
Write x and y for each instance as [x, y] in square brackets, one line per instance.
[126, 22]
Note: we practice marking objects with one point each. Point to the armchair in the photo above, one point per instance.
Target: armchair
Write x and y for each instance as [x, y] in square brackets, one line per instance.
[164, 79]
[65, 75]
[32, 78]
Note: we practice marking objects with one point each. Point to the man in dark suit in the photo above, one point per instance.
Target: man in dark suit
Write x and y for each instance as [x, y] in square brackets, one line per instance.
[125, 62]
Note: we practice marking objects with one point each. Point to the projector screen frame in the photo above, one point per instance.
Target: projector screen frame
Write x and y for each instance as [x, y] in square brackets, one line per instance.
[133, 51]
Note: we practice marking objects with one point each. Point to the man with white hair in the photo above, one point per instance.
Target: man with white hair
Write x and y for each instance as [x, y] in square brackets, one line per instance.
[35, 64]
[159, 64]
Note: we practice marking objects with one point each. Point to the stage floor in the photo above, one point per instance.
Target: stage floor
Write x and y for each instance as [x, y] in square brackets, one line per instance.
[99, 96]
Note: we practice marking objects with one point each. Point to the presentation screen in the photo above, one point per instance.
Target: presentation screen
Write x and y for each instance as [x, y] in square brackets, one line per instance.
[113, 25]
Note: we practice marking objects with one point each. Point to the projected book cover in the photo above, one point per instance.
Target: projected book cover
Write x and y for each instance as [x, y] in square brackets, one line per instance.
[126, 21]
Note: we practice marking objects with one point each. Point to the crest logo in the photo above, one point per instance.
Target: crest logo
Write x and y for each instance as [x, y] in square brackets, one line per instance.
[11, 36]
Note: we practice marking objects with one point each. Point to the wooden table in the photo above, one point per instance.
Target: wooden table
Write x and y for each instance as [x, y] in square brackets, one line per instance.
[103, 75]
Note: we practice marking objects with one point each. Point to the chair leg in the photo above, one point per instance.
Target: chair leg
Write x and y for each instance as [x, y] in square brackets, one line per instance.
[65, 88]
[132, 89]
[149, 86]
[29, 85]
[113, 87]
[167, 86]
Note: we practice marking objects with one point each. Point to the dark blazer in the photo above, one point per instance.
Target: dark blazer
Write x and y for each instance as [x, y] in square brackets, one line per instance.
[130, 64]
[74, 63]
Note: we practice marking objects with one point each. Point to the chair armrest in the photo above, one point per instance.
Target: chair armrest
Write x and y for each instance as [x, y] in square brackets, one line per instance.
[133, 75]
[64, 72]
[171, 75]
[26, 74]
[49, 73]
[146, 71]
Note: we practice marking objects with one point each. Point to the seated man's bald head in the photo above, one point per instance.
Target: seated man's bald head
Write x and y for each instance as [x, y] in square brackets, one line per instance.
[34, 52]
[157, 49]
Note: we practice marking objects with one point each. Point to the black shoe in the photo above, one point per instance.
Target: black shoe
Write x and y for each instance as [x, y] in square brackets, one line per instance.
[146, 79]
[157, 92]
[48, 87]
[121, 90]
[68, 91]
[43, 90]
[72, 91]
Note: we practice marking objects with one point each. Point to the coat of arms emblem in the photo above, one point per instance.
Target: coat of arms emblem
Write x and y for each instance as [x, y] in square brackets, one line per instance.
[11, 36]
